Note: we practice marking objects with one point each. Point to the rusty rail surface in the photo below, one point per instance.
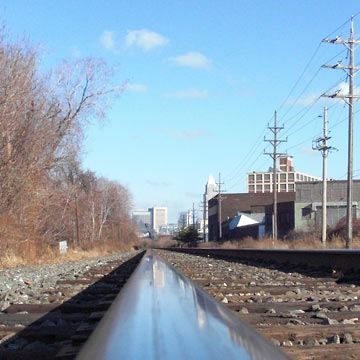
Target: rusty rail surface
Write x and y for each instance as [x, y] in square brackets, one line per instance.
[161, 314]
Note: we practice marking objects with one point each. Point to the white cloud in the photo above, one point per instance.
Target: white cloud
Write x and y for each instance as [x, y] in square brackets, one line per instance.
[185, 134]
[191, 59]
[306, 100]
[344, 89]
[145, 39]
[187, 94]
[136, 87]
[308, 151]
[339, 90]
[107, 39]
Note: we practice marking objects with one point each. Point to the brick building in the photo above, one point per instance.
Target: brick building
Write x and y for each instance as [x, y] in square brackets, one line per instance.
[258, 206]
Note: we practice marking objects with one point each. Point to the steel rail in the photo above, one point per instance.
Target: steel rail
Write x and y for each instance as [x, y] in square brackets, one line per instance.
[331, 259]
[161, 314]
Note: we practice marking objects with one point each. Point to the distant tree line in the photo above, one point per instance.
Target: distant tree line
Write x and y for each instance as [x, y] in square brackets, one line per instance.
[45, 195]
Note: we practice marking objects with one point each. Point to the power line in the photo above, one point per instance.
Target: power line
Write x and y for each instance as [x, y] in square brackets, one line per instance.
[321, 145]
[274, 155]
[349, 99]
[220, 198]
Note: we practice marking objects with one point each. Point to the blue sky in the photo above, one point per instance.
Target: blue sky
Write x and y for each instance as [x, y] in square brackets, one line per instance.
[203, 81]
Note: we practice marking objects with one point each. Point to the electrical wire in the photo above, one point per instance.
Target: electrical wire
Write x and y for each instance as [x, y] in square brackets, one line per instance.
[234, 174]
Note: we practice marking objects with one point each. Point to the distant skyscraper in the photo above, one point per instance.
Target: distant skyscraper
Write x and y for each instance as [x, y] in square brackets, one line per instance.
[210, 192]
[143, 215]
[158, 217]
[185, 219]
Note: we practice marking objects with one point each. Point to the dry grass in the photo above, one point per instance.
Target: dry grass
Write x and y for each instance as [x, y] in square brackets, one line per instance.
[303, 242]
[50, 255]
[10, 259]
[161, 241]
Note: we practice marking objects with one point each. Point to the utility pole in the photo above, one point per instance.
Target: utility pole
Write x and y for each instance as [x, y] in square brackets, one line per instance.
[219, 204]
[349, 99]
[204, 207]
[193, 214]
[274, 155]
[77, 220]
[321, 145]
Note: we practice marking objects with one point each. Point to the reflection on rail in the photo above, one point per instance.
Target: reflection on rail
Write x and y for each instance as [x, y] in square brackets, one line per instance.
[161, 314]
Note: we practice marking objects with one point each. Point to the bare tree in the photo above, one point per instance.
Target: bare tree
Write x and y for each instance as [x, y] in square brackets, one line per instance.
[42, 118]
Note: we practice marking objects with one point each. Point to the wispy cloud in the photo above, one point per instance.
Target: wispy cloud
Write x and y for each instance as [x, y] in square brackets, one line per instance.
[145, 39]
[340, 90]
[191, 59]
[136, 87]
[343, 89]
[187, 94]
[158, 183]
[107, 39]
[192, 195]
[306, 100]
[308, 151]
[185, 134]
[76, 53]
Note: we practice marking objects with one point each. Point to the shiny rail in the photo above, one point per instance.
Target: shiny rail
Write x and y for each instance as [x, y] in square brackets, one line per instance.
[346, 260]
[161, 314]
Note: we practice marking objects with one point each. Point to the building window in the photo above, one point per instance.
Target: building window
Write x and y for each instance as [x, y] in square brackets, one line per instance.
[282, 187]
[258, 178]
[267, 177]
[251, 178]
[267, 188]
[291, 187]
[251, 188]
[306, 212]
[258, 188]
[282, 177]
[291, 176]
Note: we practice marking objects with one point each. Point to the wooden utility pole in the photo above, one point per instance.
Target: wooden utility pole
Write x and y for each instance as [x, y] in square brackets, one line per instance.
[321, 145]
[204, 207]
[220, 198]
[77, 220]
[274, 155]
[349, 99]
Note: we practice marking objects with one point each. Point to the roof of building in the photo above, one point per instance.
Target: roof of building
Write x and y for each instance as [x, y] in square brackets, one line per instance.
[241, 220]
[211, 180]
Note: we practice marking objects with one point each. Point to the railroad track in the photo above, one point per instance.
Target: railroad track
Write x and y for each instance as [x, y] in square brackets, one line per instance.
[308, 312]
[58, 328]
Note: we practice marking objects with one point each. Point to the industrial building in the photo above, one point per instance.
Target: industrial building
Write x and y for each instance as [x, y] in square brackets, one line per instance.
[250, 214]
[287, 177]
[308, 204]
[210, 192]
[257, 207]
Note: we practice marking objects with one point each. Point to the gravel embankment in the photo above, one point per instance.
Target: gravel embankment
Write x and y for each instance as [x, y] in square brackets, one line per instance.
[22, 284]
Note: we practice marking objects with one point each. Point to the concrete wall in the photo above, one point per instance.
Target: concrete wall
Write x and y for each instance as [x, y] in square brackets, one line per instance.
[308, 204]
